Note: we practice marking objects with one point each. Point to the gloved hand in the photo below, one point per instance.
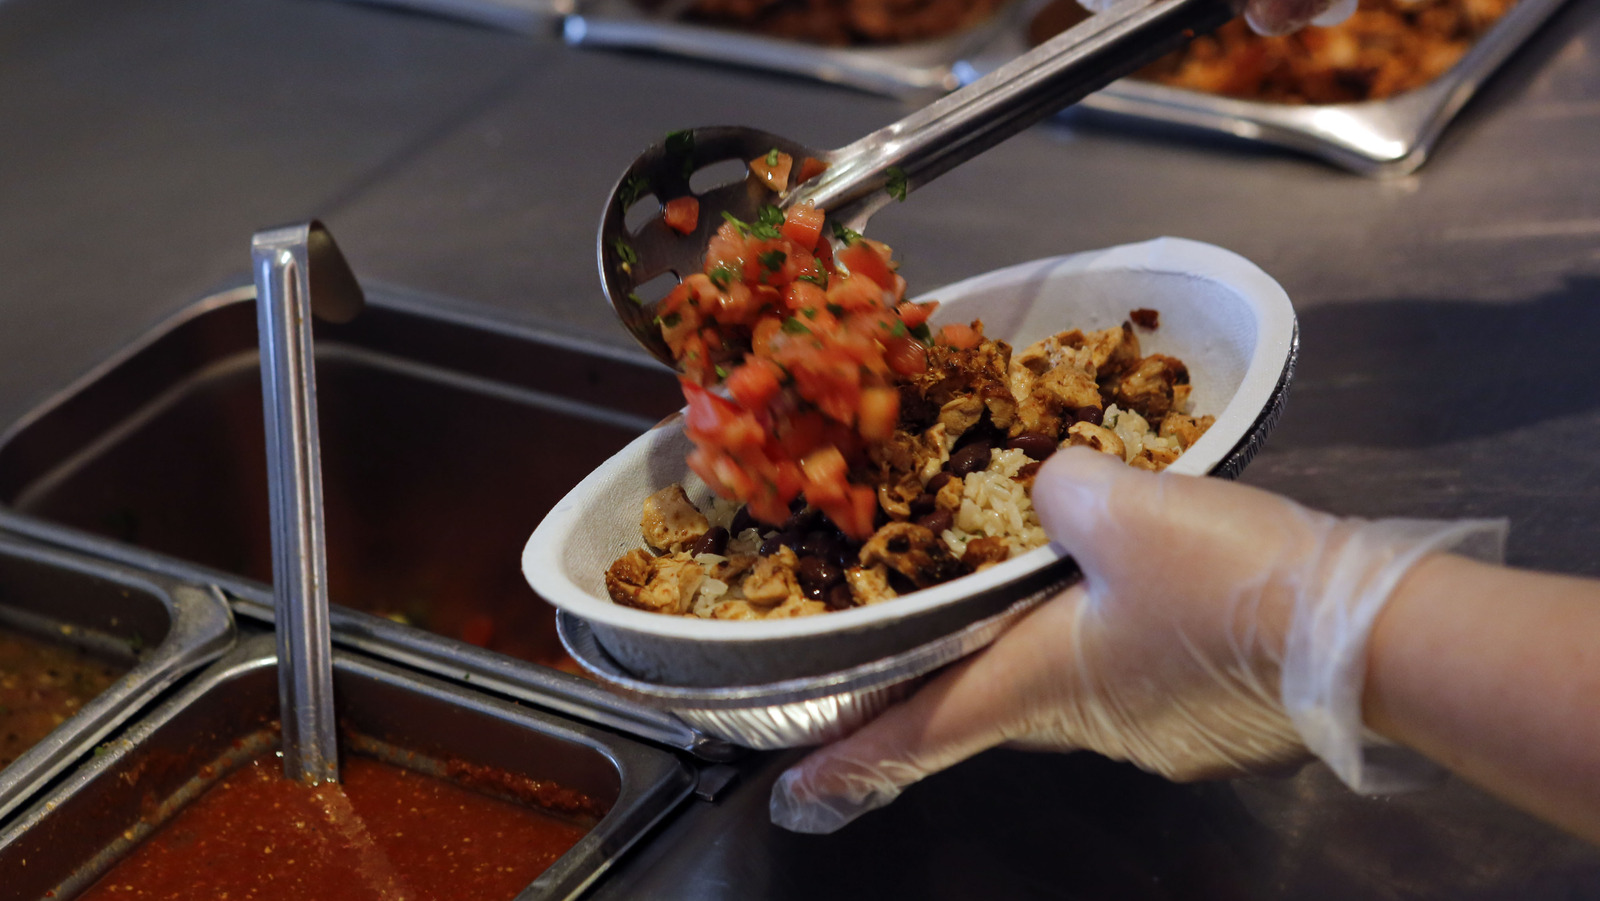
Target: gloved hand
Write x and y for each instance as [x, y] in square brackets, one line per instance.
[1219, 630]
[1272, 17]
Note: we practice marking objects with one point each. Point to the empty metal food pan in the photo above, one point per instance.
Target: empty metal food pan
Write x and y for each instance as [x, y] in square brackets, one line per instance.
[76, 833]
[445, 439]
[160, 628]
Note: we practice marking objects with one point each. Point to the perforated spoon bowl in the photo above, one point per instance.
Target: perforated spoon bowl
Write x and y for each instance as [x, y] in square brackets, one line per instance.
[862, 177]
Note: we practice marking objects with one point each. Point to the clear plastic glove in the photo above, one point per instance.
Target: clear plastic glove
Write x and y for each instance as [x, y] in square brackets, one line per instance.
[1219, 630]
[1271, 17]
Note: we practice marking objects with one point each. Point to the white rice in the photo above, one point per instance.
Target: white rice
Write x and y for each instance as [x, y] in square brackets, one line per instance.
[1136, 433]
[995, 505]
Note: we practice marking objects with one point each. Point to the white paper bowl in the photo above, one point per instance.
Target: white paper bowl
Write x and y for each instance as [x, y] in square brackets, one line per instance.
[1226, 319]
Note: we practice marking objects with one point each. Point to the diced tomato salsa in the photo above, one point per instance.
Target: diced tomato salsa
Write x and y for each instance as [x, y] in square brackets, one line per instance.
[808, 341]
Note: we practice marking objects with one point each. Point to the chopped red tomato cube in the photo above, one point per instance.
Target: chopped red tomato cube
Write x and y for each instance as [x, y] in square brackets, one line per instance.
[773, 170]
[803, 225]
[681, 215]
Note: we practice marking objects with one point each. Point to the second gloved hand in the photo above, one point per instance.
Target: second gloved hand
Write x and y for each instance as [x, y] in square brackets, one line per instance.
[1219, 630]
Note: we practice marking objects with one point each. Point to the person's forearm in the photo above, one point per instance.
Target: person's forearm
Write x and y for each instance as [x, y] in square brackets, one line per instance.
[1495, 673]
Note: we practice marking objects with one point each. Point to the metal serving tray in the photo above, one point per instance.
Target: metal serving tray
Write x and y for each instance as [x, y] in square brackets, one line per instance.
[73, 835]
[909, 69]
[444, 441]
[1382, 138]
[162, 629]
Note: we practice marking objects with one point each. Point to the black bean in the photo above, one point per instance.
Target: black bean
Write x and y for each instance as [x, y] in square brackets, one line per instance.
[1091, 415]
[712, 542]
[803, 521]
[770, 545]
[840, 598]
[939, 480]
[846, 555]
[922, 505]
[816, 543]
[970, 459]
[1037, 445]
[817, 576]
[741, 521]
[937, 521]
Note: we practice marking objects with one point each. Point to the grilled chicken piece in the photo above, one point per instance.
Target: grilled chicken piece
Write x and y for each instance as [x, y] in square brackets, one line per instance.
[1187, 429]
[982, 372]
[734, 609]
[731, 568]
[772, 580]
[914, 552]
[949, 495]
[959, 415]
[1158, 385]
[1154, 459]
[1111, 351]
[985, 551]
[1054, 399]
[670, 521]
[1097, 437]
[669, 583]
[905, 455]
[627, 576]
[797, 606]
[869, 585]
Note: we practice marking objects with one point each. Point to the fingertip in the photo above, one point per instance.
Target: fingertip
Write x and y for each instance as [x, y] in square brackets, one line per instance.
[1067, 487]
[803, 802]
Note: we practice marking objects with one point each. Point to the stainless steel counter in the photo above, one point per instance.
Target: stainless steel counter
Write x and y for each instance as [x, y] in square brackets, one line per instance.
[1448, 324]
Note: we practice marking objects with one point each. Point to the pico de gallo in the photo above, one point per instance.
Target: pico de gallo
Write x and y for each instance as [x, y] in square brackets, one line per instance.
[807, 333]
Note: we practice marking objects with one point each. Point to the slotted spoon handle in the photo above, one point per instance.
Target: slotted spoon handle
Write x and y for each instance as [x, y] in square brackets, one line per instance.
[864, 175]
[299, 270]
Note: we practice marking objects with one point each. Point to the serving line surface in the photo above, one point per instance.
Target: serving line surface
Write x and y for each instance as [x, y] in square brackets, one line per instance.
[145, 141]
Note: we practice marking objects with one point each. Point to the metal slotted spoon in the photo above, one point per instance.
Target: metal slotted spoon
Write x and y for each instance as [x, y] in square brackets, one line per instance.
[862, 177]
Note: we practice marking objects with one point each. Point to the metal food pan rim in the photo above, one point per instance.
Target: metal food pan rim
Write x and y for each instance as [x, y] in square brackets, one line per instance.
[900, 69]
[652, 783]
[581, 644]
[436, 655]
[200, 630]
[1383, 138]
[416, 648]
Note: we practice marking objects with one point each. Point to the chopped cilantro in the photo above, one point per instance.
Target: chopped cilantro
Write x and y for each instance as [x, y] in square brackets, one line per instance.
[772, 259]
[794, 326]
[772, 157]
[898, 329]
[761, 229]
[636, 298]
[720, 276]
[670, 320]
[820, 279]
[770, 215]
[847, 235]
[835, 309]
[809, 313]
[680, 144]
[633, 188]
[896, 183]
[922, 333]
[625, 253]
[721, 373]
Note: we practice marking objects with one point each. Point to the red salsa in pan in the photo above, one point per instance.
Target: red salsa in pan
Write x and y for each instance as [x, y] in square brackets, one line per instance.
[41, 684]
[383, 833]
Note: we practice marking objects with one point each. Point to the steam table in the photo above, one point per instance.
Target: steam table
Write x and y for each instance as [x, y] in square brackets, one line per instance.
[1448, 323]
